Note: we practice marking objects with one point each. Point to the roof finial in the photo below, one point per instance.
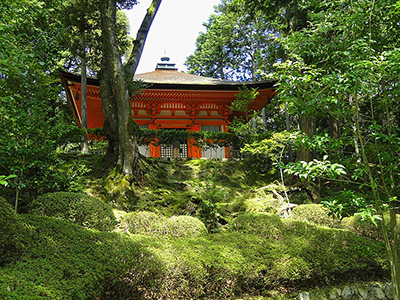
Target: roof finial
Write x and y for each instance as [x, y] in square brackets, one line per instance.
[165, 64]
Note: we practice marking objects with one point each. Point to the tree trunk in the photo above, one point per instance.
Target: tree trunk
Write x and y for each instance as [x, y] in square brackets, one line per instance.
[392, 243]
[305, 126]
[288, 129]
[119, 128]
[334, 127]
[85, 146]
[264, 119]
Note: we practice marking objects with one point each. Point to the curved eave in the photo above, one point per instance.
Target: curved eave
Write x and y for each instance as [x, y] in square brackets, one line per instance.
[209, 87]
[223, 86]
[66, 76]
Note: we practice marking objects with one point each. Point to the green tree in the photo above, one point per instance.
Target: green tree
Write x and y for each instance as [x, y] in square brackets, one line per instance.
[82, 21]
[115, 80]
[235, 46]
[344, 66]
[31, 110]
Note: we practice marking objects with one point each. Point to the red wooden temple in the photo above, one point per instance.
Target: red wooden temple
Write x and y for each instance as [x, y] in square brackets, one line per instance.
[172, 100]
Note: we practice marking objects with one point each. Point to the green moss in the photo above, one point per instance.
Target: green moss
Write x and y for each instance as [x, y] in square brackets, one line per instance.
[152, 224]
[119, 191]
[9, 233]
[143, 222]
[261, 254]
[62, 260]
[184, 226]
[314, 214]
[79, 208]
[366, 227]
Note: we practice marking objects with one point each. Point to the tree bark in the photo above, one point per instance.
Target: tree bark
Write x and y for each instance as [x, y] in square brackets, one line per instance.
[119, 128]
[85, 146]
[334, 127]
[305, 126]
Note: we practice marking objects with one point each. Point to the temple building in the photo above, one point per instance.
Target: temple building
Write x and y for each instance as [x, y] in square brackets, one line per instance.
[173, 100]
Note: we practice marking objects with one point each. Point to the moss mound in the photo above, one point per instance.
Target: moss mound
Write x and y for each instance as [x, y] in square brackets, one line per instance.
[9, 233]
[314, 214]
[152, 224]
[184, 226]
[143, 222]
[64, 261]
[78, 208]
[366, 227]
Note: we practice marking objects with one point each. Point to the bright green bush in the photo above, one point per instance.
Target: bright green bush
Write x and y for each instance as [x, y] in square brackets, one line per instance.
[78, 208]
[314, 214]
[143, 222]
[152, 224]
[9, 231]
[184, 226]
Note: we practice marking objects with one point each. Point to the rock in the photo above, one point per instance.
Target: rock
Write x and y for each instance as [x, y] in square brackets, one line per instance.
[363, 293]
[387, 289]
[360, 291]
[376, 292]
[335, 294]
[304, 296]
[347, 292]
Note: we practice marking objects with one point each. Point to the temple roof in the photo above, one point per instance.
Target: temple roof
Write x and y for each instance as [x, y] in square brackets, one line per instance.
[176, 77]
[173, 79]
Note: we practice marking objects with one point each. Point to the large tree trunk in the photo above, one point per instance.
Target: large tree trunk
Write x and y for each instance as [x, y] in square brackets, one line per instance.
[119, 128]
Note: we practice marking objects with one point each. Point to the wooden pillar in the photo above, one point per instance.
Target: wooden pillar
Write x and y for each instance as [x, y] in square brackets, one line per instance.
[227, 150]
[194, 151]
[155, 151]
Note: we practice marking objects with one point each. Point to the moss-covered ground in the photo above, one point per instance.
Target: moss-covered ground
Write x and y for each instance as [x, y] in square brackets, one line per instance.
[250, 253]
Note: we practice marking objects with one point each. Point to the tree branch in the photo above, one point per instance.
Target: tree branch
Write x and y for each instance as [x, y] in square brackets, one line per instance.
[138, 43]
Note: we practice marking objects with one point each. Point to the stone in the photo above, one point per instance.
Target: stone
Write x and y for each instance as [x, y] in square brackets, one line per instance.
[387, 289]
[363, 293]
[377, 293]
[347, 292]
[334, 294]
[304, 296]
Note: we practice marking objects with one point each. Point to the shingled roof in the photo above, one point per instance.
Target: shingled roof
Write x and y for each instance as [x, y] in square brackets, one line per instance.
[164, 76]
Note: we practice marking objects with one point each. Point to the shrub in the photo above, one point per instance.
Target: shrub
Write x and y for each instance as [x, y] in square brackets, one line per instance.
[184, 226]
[208, 208]
[314, 214]
[152, 224]
[9, 227]
[143, 222]
[78, 208]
